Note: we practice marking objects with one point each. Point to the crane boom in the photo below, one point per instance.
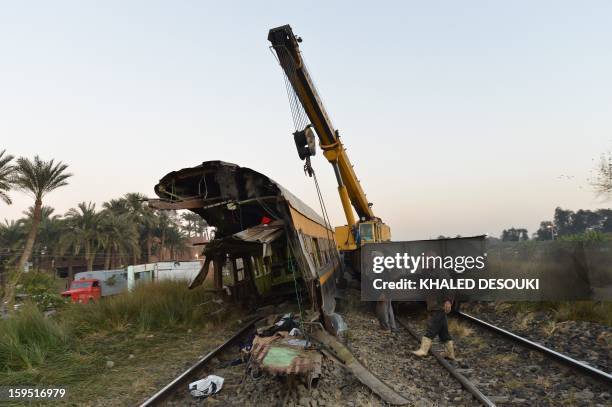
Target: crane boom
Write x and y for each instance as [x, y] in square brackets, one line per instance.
[286, 46]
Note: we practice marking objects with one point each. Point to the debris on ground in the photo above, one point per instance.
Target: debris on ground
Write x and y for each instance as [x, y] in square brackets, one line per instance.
[275, 351]
[208, 386]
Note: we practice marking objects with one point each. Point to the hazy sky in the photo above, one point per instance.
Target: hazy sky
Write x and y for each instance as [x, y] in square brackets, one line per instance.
[459, 116]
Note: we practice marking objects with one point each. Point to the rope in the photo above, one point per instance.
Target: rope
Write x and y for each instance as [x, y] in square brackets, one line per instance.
[328, 226]
[299, 116]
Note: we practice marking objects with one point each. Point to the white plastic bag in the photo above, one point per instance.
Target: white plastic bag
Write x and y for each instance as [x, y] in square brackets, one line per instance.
[206, 387]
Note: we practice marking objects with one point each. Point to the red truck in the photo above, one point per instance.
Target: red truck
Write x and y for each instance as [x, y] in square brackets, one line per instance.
[85, 291]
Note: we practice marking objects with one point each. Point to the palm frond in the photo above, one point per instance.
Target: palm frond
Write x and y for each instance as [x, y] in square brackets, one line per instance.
[38, 177]
[6, 174]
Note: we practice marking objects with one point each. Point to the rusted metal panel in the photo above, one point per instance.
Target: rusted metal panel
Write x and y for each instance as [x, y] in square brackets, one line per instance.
[176, 205]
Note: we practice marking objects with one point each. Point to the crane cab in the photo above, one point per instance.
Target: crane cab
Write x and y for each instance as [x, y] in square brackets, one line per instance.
[351, 238]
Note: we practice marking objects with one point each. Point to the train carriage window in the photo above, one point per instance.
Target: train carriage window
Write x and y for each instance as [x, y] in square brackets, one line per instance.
[259, 266]
[239, 268]
[256, 269]
[253, 265]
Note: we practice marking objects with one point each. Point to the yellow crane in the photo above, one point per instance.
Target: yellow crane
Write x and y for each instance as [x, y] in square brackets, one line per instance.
[309, 114]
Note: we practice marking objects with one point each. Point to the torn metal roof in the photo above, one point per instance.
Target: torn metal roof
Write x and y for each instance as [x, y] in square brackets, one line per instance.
[228, 196]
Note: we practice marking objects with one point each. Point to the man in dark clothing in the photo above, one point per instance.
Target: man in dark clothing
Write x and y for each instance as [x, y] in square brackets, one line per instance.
[439, 303]
[384, 312]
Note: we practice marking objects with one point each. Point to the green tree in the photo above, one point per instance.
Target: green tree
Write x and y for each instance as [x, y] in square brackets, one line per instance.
[83, 231]
[545, 232]
[118, 235]
[37, 178]
[6, 173]
[176, 241]
[164, 223]
[143, 216]
[12, 236]
[191, 222]
[563, 221]
[202, 227]
[514, 235]
[50, 229]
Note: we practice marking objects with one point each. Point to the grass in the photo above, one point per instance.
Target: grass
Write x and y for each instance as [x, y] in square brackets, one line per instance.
[27, 339]
[149, 334]
[154, 306]
[590, 311]
[459, 329]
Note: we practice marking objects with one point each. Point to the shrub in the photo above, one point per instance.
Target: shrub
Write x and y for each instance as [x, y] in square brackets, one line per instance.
[41, 288]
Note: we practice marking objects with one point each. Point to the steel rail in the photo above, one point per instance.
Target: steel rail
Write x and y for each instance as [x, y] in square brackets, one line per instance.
[607, 377]
[465, 382]
[183, 377]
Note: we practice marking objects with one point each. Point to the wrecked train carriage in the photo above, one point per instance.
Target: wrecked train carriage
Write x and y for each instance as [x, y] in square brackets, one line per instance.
[264, 233]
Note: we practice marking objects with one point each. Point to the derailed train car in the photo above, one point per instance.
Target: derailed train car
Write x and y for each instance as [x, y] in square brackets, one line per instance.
[268, 240]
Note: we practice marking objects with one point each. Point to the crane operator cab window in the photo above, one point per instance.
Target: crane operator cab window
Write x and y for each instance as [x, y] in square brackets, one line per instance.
[366, 232]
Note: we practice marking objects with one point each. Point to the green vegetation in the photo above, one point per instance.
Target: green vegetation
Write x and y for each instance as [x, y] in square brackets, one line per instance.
[156, 306]
[6, 171]
[582, 225]
[588, 236]
[40, 289]
[73, 346]
[125, 231]
[27, 339]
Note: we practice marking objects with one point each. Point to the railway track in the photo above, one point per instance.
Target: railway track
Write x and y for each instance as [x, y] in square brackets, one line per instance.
[414, 378]
[503, 368]
[183, 378]
[573, 363]
[468, 385]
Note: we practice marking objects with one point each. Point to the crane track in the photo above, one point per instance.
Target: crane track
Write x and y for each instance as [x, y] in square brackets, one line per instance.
[576, 364]
[180, 380]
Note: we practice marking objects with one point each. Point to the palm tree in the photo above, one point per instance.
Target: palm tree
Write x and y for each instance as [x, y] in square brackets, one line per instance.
[201, 227]
[177, 242]
[6, 171]
[49, 231]
[191, 219]
[12, 235]
[11, 242]
[83, 231]
[144, 217]
[117, 206]
[37, 178]
[118, 235]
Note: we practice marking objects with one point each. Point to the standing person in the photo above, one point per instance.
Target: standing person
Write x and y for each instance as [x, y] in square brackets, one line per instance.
[439, 303]
[384, 312]
[384, 306]
[437, 325]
